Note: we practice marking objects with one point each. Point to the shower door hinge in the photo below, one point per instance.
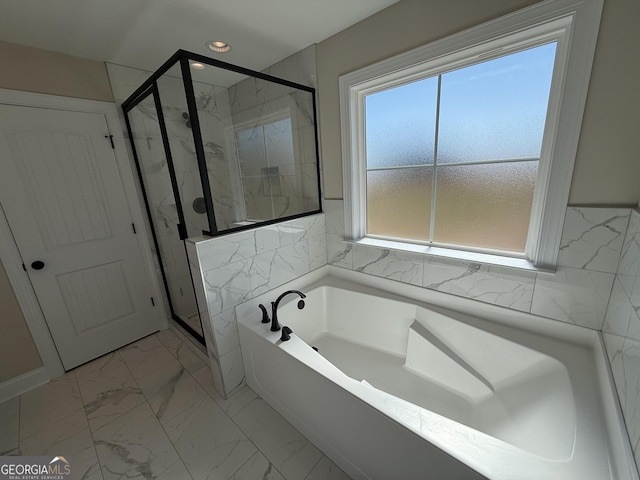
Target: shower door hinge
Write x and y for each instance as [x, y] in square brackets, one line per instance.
[153, 302]
[133, 225]
[110, 137]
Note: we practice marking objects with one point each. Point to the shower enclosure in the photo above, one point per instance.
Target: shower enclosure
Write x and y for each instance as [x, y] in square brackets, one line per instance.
[218, 149]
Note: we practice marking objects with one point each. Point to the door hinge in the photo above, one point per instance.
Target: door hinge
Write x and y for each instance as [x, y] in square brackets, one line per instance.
[153, 302]
[133, 225]
[110, 137]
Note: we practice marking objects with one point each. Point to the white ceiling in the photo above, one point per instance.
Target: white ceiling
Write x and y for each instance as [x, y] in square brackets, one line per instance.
[144, 33]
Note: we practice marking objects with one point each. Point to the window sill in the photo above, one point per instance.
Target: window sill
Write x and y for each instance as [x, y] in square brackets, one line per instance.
[452, 254]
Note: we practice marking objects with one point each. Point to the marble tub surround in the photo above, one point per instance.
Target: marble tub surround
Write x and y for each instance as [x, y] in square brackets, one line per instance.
[156, 425]
[577, 293]
[231, 269]
[621, 331]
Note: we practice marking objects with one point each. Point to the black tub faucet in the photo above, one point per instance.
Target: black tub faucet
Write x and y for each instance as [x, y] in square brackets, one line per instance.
[275, 326]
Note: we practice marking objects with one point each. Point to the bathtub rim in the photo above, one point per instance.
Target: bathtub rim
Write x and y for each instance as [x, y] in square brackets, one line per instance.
[620, 453]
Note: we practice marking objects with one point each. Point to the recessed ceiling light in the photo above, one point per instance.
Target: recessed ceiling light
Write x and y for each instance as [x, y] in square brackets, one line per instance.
[197, 65]
[218, 46]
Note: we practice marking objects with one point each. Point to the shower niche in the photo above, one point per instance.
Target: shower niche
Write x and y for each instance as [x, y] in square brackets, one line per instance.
[218, 149]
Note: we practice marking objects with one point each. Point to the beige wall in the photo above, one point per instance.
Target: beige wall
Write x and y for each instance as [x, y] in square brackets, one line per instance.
[34, 70]
[605, 171]
[18, 353]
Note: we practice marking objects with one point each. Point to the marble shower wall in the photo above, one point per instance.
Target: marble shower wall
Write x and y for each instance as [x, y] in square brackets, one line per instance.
[275, 131]
[621, 332]
[232, 269]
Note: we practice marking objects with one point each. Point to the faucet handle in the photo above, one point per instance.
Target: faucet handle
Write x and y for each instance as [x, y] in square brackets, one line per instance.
[286, 334]
[265, 315]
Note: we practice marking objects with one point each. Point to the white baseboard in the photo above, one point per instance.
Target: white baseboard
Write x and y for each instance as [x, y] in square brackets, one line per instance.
[21, 384]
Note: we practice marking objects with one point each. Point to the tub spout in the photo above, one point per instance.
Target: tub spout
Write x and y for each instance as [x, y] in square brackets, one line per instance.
[275, 326]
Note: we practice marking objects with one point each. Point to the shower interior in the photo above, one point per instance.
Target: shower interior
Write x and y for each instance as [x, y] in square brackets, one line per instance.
[218, 150]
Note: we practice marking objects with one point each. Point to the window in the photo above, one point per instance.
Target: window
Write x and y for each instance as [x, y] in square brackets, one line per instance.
[468, 143]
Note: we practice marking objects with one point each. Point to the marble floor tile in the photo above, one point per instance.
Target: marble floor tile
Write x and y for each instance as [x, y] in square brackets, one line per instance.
[71, 438]
[108, 389]
[9, 425]
[236, 402]
[292, 454]
[325, 469]
[165, 383]
[188, 358]
[170, 340]
[49, 404]
[205, 378]
[208, 442]
[134, 446]
[257, 468]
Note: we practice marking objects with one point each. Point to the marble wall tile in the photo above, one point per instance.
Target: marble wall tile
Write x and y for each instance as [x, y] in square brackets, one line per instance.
[490, 284]
[239, 266]
[392, 264]
[227, 249]
[227, 286]
[317, 248]
[622, 331]
[620, 313]
[624, 358]
[629, 267]
[573, 295]
[9, 425]
[592, 238]
[271, 269]
[135, 446]
[339, 253]
[232, 368]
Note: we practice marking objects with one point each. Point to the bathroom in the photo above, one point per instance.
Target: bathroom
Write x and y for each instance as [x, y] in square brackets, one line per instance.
[600, 222]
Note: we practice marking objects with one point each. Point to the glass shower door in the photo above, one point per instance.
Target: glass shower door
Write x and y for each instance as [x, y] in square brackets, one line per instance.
[158, 179]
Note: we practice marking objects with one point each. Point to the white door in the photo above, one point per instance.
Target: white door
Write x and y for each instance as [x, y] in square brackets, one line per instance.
[63, 196]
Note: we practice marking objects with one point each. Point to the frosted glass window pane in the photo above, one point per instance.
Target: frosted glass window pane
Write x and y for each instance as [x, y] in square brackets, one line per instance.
[399, 202]
[400, 125]
[279, 143]
[251, 151]
[496, 109]
[486, 205]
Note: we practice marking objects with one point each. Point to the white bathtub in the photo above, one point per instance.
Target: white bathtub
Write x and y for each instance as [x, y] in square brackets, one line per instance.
[405, 390]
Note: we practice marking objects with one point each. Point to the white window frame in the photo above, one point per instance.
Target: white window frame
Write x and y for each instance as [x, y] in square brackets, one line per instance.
[574, 25]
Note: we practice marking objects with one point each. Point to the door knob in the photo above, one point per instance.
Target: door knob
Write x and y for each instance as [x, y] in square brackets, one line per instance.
[37, 265]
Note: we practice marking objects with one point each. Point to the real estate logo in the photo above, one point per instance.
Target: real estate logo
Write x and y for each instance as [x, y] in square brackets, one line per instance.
[35, 468]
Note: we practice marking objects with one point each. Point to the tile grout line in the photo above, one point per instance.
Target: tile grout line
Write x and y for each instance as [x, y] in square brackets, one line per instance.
[84, 411]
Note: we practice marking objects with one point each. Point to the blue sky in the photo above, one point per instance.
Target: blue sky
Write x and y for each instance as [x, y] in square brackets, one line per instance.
[489, 111]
